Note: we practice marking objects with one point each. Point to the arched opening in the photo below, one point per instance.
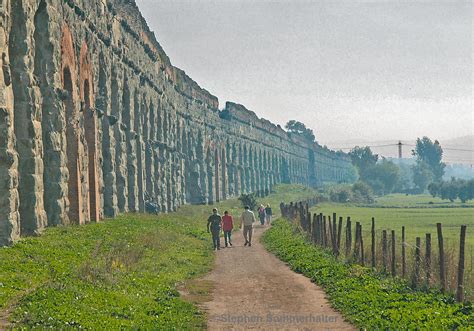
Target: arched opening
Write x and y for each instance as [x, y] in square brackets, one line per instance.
[91, 138]
[72, 141]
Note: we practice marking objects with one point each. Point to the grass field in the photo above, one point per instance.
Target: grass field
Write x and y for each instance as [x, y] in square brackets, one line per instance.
[120, 273]
[419, 217]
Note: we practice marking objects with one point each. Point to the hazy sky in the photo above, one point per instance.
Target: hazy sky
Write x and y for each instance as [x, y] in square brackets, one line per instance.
[351, 70]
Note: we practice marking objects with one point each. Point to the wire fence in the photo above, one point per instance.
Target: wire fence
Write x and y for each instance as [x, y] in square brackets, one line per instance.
[426, 263]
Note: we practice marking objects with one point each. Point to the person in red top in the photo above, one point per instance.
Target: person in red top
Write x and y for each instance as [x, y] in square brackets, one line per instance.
[227, 226]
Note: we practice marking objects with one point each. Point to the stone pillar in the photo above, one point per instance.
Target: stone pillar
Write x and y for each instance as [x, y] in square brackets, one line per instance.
[103, 105]
[130, 115]
[210, 176]
[47, 37]
[9, 199]
[140, 113]
[149, 138]
[217, 175]
[120, 141]
[28, 117]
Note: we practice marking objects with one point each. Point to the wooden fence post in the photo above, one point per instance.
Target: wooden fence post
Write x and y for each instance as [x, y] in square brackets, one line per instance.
[339, 230]
[315, 228]
[308, 217]
[442, 266]
[321, 233]
[462, 243]
[356, 242]
[330, 231]
[334, 233]
[361, 238]
[384, 250]
[404, 257]
[325, 236]
[373, 243]
[393, 254]
[428, 259]
[348, 237]
[416, 273]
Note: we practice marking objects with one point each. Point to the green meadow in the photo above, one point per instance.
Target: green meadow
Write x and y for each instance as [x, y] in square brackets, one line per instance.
[419, 214]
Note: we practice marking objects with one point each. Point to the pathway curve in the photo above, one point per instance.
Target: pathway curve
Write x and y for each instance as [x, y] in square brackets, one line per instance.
[255, 290]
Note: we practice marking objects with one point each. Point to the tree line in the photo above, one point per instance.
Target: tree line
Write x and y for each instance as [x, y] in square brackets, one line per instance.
[384, 176]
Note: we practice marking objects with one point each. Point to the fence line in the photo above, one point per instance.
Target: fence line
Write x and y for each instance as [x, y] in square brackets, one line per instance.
[326, 231]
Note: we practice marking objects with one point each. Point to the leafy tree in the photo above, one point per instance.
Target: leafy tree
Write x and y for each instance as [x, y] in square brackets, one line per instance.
[363, 158]
[362, 192]
[422, 176]
[431, 154]
[455, 188]
[249, 200]
[300, 129]
[385, 172]
[434, 188]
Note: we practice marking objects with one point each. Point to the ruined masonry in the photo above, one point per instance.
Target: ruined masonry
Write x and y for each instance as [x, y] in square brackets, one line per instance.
[95, 121]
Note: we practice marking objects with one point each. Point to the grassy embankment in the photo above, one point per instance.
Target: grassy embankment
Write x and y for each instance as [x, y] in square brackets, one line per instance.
[366, 299]
[419, 214]
[120, 273]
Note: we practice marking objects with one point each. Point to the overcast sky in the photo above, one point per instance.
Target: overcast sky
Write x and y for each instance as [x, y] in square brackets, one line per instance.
[351, 70]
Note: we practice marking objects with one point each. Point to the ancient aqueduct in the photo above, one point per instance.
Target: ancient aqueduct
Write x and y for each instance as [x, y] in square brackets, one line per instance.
[95, 121]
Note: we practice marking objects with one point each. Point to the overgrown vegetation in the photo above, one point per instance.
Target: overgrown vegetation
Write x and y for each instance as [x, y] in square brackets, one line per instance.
[366, 299]
[249, 200]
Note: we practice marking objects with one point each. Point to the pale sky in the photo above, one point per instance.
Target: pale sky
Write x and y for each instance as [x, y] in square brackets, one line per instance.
[350, 70]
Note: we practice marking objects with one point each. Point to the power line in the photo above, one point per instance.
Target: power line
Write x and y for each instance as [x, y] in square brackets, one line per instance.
[403, 144]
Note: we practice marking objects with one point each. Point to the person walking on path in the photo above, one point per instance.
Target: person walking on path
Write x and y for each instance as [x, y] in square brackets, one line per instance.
[268, 214]
[261, 214]
[247, 219]
[227, 226]
[214, 226]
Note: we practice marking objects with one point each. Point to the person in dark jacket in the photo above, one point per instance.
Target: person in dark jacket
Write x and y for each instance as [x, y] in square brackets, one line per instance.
[214, 226]
[268, 214]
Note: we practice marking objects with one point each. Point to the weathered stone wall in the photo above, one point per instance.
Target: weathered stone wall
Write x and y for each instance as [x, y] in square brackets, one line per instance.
[95, 121]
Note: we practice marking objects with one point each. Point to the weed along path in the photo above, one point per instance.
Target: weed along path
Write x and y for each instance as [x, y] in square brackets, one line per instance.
[255, 290]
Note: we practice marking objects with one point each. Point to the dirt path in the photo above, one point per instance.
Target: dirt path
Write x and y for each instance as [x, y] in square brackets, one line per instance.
[255, 290]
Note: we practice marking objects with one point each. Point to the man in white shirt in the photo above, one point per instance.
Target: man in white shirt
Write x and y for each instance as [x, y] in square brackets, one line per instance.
[247, 219]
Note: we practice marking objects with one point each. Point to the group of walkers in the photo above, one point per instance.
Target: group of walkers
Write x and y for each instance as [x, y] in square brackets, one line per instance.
[216, 223]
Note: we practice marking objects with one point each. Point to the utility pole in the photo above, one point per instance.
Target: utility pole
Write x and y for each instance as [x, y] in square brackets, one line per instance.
[399, 149]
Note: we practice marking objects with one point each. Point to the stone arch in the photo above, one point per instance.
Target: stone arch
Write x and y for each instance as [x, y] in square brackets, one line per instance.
[69, 77]
[90, 131]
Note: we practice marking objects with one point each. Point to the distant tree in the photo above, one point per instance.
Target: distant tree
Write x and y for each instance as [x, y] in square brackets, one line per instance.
[422, 176]
[434, 188]
[362, 192]
[465, 190]
[300, 129]
[385, 172]
[431, 154]
[363, 158]
[450, 190]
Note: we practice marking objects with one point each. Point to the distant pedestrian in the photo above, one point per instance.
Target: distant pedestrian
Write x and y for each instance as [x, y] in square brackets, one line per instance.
[227, 226]
[261, 214]
[247, 219]
[268, 214]
[214, 226]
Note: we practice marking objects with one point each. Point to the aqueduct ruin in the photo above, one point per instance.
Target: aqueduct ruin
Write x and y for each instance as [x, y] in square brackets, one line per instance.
[95, 121]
